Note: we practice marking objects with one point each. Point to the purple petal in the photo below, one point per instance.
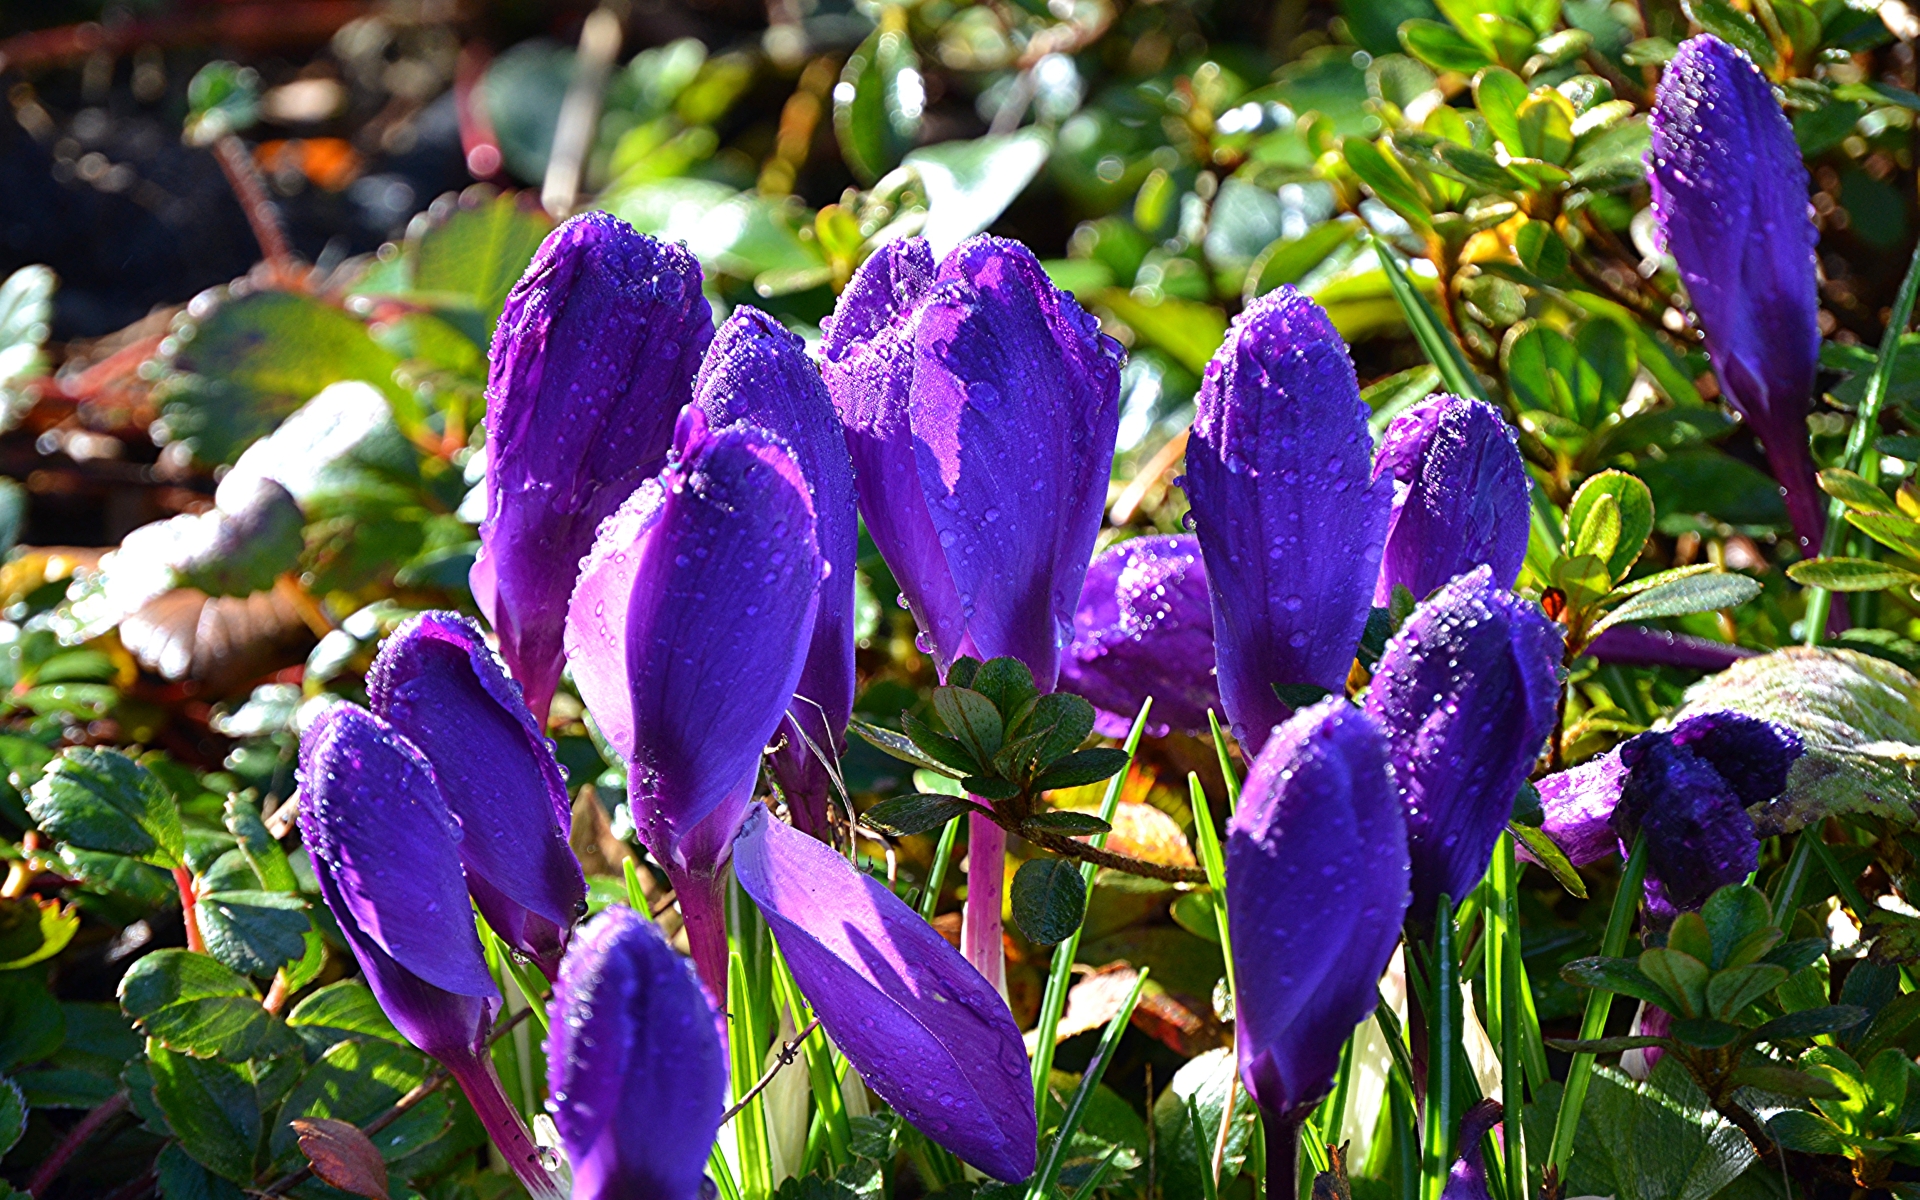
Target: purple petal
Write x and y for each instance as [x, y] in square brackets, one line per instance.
[759, 373]
[1290, 521]
[922, 1027]
[1459, 496]
[1145, 628]
[1699, 835]
[867, 360]
[1752, 755]
[1730, 203]
[1467, 691]
[636, 1074]
[386, 851]
[1468, 1178]
[1015, 404]
[1316, 890]
[592, 359]
[1641, 646]
[438, 684]
[1579, 806]
[689, 626]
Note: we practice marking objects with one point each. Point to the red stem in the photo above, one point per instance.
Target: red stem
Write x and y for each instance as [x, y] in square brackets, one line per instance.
[264, 218]
[703, 910]
[183, 879]
[980, 938]
[477, 1079]
[76, 1137]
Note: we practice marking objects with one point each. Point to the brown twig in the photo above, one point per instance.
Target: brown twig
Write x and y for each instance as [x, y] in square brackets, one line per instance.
[1067, 847]
[262, 215]
[434, 1081]
[788, 1052]
[76, 1137]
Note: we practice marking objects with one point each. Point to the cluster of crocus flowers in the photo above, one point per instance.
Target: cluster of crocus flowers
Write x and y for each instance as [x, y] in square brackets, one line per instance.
[1730, 203]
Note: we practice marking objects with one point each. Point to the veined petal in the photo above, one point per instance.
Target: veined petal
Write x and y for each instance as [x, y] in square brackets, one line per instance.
[436, 681]
[635, 1071]
[1579, 806]
[923, 1028]
[1467, 692]
[593, 357]
[758, 373]
[1460, 496]
[1290, 519]
[1317, 887]
[1144, 627]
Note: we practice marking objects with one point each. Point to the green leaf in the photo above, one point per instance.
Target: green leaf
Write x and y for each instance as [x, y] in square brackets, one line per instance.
[1808, 1133]
[13, 1114]
[969, 184]
[263, 852]
[1855, 492]
[1067, 718]
[878, 104]
[1897, 532]
[1067, 822]
[1545, 851]
[1654, 1140]
[990, 787]
[1438, 344]
[1387, 181]
[32, 1025]
[1599, 531]
[259, 357]
[347, 1008]
[1546, 126]
[1704, 1033]
[1783, 1080]
[1621, 975]
[1732, 915]
[1186, 329]
[1730, 991]
[33, 930]
[1696, 593]
[212, 1107]
[475, 256]
[181, 1178]
[1850, 574]
[1681, 976]
[1287, 260]
[1049, 898]
[1635, 504]
[100, 799]
[973, 719]
[1005, 681]
[902, 747]
[904, 816]
[190, 1003]
[1730, 25]
[1498, 93]
[1197, 913]
[1442, 47]
[252, 931]
[26, 316]
[356, 1082]
[1203, 1085]
[1811, 1022]
[1080, 768]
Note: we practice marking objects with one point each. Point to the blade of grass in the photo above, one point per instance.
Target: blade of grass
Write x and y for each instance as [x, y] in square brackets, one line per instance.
[1226, 763]
[937, 874]
[830, 1105]
[1866, 423]
[1049, 1171]
[722, 1176]
[1509, 1017]
[1202, 1153]
[1444, 1028]
[525, 976]
[1097, 1176]
[636, 897]
[1060, 976]
[1593, 1023]
[749, 1128]
[1440, 348]
[1214, 861]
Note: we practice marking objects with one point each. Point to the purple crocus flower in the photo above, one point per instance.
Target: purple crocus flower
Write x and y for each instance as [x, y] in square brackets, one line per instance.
[1459, 496]
[1144, 628]
[438, 684]
[1642, 646]
[1317, 886]
[923, 1028]
[1730, 204]
[1467, 1180]
[385, 851]
[1688, 790]
[1467, 692]
[636, 1074]
[758, 373]
[981, 404]
[687, 634]
[593, 357]
[1290, 520]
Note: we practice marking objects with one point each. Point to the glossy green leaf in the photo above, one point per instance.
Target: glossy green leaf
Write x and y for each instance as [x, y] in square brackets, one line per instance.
[212, 1107]
[902, 747]
[1851, 574]
[1695, 593]
[33, 930]
[99, 799]
[969, 184]
[1730, 25]
[1634, 504]
[905, 816]
[1080, 768]
[356, 1082]
[1049, 899]
[878, 104]
[1442, 47]
[193, 1004]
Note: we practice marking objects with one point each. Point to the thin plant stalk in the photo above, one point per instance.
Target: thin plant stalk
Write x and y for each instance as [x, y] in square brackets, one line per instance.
[1626, 902]
[830, 1106]
[750, 1127]
[1503, 993]
[1049, 1171]
[937, 873]
[1866, 423]
[1060, 974]
[980, 936]
[1226, 762]
[1443, 1036]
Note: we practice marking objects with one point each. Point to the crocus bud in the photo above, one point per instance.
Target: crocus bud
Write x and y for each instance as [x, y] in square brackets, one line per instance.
[1688, 790]
[592, 360]
[981, 404]
[923, 1028]
[385, 851]
[1144, 628]
[687, 634]
[635, 1073]
[1468, 1178]
[758, 373]
[1290, 519]
[1316, 891]
[1459, 496]
[437, 683]
[1730, 204]
[1467, 692]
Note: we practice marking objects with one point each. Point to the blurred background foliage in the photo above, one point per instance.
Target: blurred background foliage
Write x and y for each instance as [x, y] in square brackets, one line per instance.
[253, 253]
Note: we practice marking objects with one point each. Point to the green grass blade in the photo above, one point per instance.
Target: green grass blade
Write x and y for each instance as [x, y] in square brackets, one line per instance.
[1427, 328]
[1226, 762]
[743, 1044]
[1214, 861]
[1049, 1171]
[1060, 977]
[830, 1106]
[1444, 1027]
[937, 875]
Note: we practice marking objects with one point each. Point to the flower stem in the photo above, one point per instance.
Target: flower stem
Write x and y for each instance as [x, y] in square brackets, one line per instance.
[477, 1079]
[980, 937]
[1283, 1154]
[183, 880]
[703, 910]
